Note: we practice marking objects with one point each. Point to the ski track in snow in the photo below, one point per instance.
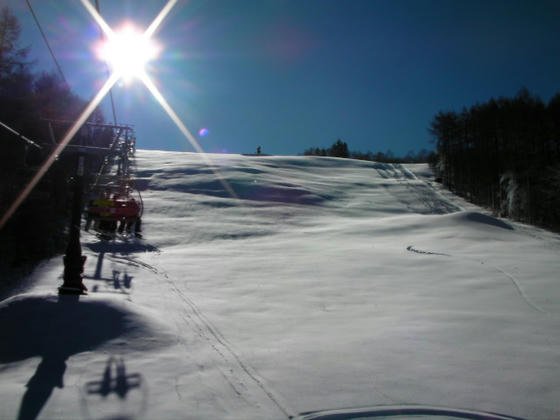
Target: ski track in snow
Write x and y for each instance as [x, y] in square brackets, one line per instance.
[238, 373]
[211, 370]
[418, 196]
[510, 277]
[520, 290]
[417, 191]
[437, 204]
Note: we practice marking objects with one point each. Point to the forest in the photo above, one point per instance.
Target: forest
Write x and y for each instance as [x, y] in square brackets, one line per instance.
[503, 154]
[340, 149]
[35, 112]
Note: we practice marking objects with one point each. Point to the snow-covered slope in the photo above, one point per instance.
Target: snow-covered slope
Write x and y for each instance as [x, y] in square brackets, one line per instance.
[323, 284]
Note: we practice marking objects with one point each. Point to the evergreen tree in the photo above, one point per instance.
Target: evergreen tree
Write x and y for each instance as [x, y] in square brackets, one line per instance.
[503, 154]
[37, 229]
[339, 149]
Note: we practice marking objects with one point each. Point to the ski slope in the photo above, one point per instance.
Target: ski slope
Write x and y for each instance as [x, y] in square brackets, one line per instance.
[324, 285]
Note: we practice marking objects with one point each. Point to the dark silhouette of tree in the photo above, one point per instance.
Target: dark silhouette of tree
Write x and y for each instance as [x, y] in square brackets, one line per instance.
[339, 149]
[37, 229]
[12, 58]
[503, 154]
[55, 100]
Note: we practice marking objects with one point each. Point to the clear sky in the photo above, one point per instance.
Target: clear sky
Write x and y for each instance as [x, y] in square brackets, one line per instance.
[291, 74]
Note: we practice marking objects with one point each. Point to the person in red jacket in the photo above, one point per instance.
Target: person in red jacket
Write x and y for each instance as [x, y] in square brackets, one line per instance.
[128, 214]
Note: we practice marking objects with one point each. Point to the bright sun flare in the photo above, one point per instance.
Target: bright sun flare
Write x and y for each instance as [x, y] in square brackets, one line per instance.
[128, 51]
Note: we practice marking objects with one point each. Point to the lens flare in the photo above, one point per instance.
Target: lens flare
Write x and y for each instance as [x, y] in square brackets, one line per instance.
[203, 132]
[59, 148]
[143, 75]
[175, 118]
[128, 51]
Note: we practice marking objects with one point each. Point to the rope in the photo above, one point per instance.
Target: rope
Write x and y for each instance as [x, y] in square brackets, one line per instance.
[47, 42]
[21, 136]
[108, 72]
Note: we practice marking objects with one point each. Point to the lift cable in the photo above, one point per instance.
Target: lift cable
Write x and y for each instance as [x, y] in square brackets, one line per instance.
[108, 160]
[47, 42]
[108, 71]
[21, 136]
[123, 172]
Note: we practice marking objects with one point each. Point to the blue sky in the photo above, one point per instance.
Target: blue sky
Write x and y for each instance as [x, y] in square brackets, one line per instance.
[291, 74]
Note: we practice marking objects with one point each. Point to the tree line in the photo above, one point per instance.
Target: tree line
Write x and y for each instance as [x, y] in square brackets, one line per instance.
[503, 154]
[340, 149]
[38, 229]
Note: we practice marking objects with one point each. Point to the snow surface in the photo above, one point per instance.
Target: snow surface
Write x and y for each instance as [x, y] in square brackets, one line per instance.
[325, 284]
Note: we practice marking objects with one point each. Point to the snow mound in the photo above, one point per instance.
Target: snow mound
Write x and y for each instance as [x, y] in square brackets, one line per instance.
[66, 325]
[476, 219]
[253, 180]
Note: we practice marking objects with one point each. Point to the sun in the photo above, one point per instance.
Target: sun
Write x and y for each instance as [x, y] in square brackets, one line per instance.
[127, 51]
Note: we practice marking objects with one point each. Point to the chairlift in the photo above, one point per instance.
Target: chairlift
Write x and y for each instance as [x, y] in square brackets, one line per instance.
[115, 206]
[115, 209]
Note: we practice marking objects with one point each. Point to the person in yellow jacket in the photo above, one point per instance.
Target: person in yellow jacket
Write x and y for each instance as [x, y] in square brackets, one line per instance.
[103, 210]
